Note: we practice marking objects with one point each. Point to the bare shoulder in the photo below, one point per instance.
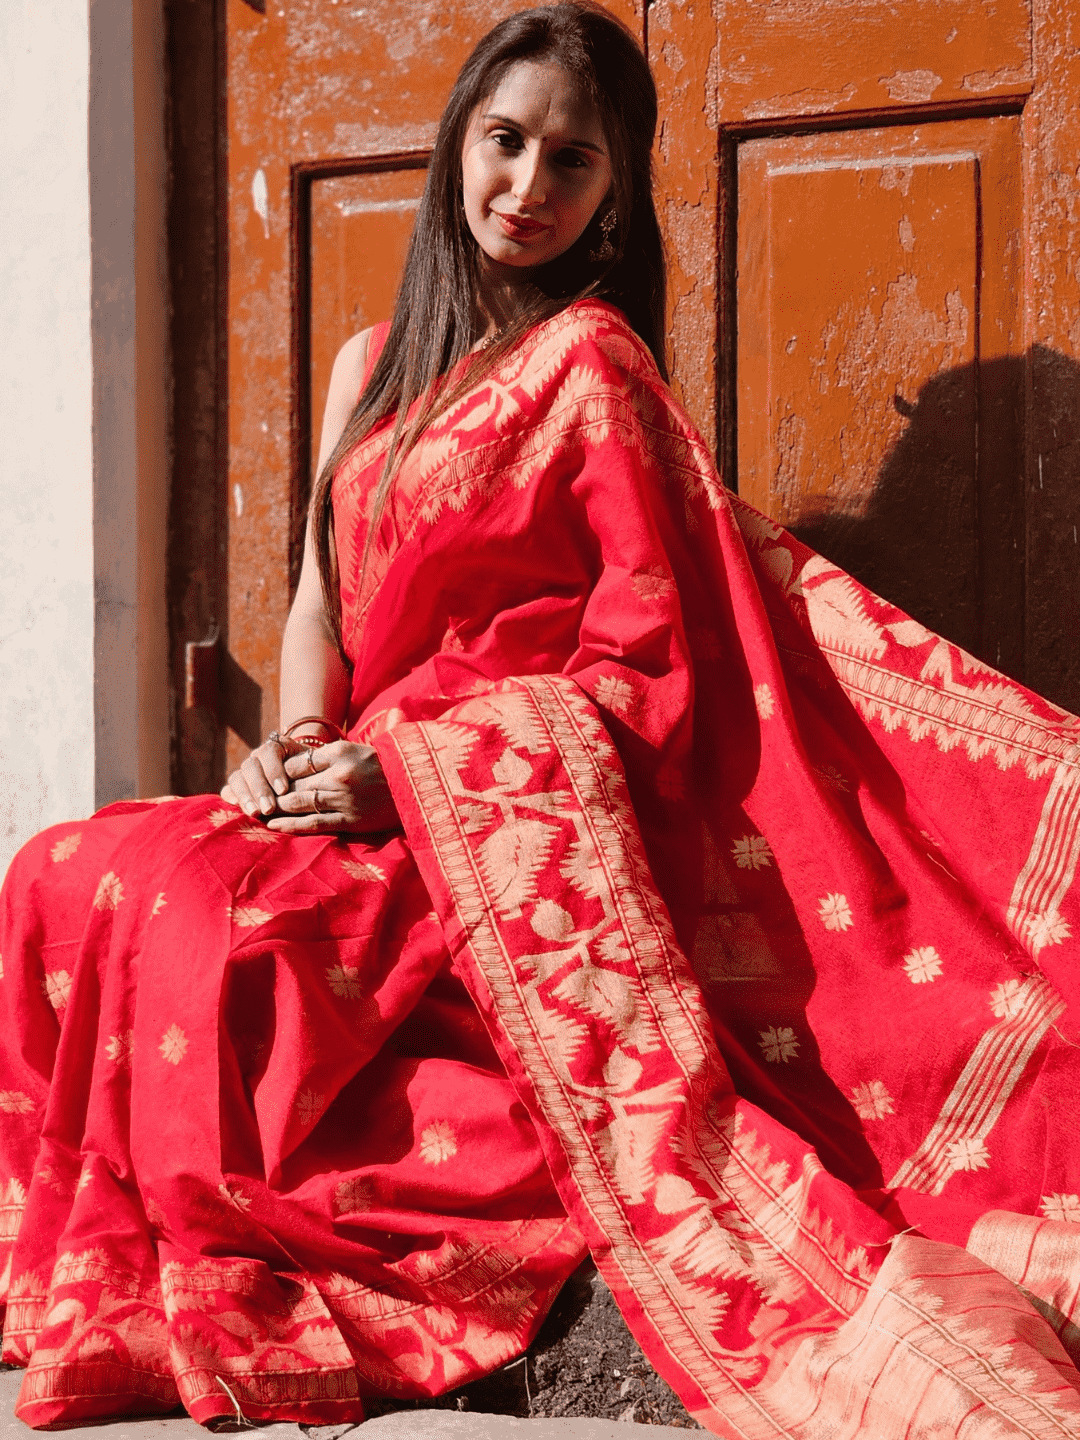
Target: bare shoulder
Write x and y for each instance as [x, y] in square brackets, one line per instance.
[344, 390]
[350, 362]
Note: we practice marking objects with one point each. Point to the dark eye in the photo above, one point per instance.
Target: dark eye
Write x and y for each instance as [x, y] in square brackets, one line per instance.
[507, 139]
[571, 159]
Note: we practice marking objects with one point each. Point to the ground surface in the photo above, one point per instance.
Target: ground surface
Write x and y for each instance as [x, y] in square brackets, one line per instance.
[584, 1378]
[584, 1362]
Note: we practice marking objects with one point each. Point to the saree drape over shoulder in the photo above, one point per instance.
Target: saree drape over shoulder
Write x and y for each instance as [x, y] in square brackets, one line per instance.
[731, 936]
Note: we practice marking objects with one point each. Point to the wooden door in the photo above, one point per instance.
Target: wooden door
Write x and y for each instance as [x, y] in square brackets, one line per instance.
[872, 208]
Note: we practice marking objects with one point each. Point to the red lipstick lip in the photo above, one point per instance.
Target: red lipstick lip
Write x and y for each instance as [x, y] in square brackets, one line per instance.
[518, 227]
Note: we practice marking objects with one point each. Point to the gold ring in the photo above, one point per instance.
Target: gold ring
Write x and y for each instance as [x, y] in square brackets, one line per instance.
[315, 802]
[310, 753]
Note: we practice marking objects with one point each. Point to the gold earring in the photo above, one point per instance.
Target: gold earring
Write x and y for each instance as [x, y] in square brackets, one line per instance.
[607, 250]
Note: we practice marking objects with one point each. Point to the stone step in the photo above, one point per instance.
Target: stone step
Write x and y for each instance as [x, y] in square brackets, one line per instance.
[402, 1425]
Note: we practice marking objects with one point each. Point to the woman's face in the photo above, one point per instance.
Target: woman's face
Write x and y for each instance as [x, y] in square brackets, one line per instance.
[535, 166]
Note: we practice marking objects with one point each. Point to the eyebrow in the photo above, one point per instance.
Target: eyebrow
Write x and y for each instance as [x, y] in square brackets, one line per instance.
[578, 144]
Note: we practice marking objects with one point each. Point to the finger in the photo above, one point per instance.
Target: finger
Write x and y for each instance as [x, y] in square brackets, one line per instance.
[374, 818]
[302, 802]
[313, 800]
[319, 780]
[226, 793]
[239, 787]
[258, 784]
[308, 762]
[321, 824]
[272, 756]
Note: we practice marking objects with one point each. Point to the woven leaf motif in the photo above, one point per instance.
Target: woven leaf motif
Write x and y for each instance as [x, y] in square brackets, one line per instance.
[514, 718]
[453, 744]
[561, 1035]
[511, 772]
[510, 859]
[613, 998]
[582, 869]
[837, 612]
[550, 920]
[631, 1142]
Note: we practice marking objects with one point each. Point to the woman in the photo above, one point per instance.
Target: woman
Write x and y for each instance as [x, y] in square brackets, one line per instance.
[671, 931]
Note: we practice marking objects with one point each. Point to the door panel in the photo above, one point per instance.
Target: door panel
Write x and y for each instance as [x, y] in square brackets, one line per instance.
[360, 226]
[737, 68]
[878, 286]
[825, 58]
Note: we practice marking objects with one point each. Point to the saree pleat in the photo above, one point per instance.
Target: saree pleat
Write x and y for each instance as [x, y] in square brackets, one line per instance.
[729, 935]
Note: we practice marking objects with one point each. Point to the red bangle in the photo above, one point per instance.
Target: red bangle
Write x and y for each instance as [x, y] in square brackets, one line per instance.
[338, 733]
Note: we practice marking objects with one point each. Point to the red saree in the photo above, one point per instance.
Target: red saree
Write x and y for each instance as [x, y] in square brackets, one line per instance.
[730, 936]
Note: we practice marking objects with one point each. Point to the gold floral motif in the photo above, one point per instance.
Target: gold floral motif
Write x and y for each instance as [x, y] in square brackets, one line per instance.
[834, 912]
[120, 1047]
[109, 893]
[779, 1044]
[872, 1100]
[363, 870]
[1061, 1207]
[344, 981]
[438, 1143]
[354, 1195]
[614, 692]
[309, 1106]
[652, 584]
[752, 852]
[922, 965]
[249, 916]
[57, 988]
[65, 848]
[174, 1044]
[234, 1196]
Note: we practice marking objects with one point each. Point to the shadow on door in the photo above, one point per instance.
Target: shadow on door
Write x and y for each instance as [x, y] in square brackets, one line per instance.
[949, 535]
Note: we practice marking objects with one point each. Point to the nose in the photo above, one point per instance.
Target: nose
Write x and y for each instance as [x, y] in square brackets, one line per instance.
[530, 187]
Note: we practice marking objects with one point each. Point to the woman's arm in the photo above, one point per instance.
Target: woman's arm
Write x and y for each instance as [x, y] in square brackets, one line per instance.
[314, 677]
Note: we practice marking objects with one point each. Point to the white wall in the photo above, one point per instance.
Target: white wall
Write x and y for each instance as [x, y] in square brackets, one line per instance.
[46, 461]
[83, 713]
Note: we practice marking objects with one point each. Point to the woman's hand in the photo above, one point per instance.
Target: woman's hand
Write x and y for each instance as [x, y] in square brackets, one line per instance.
[261, 779]
[335, 788]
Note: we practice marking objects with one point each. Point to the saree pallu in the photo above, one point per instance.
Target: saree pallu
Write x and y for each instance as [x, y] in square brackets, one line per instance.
[729, 936]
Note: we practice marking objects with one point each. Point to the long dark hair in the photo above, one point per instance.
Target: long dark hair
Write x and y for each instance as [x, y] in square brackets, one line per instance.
[435, 315]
